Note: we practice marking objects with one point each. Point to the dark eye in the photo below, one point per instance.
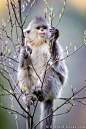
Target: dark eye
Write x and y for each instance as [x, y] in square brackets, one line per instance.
[28, 31]
[44, 27]
[38, 27]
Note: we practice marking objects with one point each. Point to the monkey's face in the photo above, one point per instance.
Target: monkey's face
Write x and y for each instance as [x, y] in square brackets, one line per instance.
[42, 31]
[37, 31]
[38, 34]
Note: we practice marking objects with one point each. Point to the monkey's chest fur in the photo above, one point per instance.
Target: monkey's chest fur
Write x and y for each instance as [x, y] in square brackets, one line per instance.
[39, 59]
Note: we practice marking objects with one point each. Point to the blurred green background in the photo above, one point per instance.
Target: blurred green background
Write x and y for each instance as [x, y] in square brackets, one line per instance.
[71, 29]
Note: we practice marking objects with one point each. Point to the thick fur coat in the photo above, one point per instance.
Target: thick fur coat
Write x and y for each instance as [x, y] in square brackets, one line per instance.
[56, 75]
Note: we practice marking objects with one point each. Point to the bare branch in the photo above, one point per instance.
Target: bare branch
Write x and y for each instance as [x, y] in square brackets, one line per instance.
[13, 111]
[28, 12]
[15, 95]
[62, 113]
[66, 56]
[13, 7]
[21, 27]
[60, 17]
[8, 67]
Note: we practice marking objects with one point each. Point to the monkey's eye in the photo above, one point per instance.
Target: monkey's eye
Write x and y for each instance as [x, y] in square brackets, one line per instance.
[38, 27]
[28, 31]
[44, 27]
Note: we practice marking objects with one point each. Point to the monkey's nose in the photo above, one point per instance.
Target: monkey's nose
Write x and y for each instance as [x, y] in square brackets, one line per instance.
[42, 29]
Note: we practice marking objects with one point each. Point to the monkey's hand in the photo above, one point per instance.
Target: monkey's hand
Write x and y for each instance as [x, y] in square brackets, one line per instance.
[37, 90]
[54, 33]
[26, 51]
[30, 99]
[24, 57]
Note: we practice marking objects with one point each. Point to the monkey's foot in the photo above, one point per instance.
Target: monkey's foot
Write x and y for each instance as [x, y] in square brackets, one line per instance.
[30, 99]
[37, 90]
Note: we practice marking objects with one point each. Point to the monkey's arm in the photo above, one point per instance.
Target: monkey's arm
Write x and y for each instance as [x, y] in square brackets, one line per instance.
[23, 74]
[54, 49]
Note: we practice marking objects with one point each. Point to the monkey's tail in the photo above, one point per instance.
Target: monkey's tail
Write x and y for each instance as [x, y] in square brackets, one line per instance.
[46, 110]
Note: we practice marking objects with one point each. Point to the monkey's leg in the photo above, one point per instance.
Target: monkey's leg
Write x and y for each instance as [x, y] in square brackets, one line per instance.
[50, 88]
[49, 91]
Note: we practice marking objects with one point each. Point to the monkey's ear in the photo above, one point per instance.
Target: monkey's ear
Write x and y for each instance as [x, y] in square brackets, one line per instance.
[24, 30]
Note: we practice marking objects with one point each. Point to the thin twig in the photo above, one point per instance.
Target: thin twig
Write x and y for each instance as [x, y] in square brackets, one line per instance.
[13, 111]
[45, 72]
[10, 18]
[13, 7]
[73, 98]
[8, 67]
[21, 27]
[15, 95]
[66, 56]
[28, 12]
[11, 59]
[14, 114]
[35, 71]
[80, 102]
[61, 14]
[2, 41]
[9, 13]
[62, 113]
[12, 42]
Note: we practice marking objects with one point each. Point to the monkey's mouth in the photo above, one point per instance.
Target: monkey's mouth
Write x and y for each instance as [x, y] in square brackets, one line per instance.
[41, 34]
